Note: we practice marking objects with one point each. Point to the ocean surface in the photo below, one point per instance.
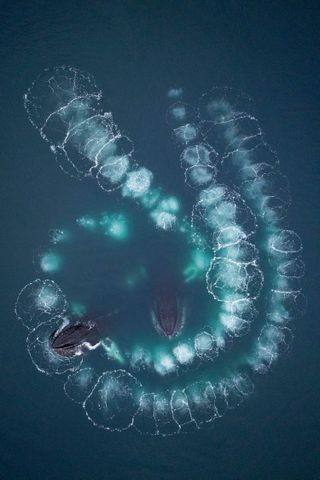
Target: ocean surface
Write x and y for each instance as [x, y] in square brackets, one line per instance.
[137, 51]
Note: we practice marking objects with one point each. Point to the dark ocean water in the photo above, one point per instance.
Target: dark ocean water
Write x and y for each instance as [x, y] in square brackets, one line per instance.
[136, 51]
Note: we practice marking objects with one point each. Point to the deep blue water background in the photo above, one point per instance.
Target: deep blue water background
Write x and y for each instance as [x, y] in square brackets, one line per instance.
[137, 50]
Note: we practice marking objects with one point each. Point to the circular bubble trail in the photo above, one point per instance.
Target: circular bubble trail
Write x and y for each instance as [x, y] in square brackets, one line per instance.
[176, 355]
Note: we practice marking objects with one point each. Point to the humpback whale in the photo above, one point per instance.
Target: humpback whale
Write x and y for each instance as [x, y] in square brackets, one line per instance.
[168, 311]
[71, 338]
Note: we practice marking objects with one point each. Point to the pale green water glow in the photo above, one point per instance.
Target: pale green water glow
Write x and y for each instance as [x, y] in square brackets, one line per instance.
[115, 225]
[50, 262]
[87, 222]
[112, 350]
[197, 267]
[77, 309]
[135, 277]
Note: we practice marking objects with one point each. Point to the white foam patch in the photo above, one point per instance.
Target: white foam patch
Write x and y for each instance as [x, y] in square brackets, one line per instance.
[184, 353]
[165, 364]
[138, 182]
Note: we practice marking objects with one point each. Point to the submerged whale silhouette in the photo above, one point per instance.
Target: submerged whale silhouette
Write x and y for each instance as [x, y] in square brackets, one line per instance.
[168, 311]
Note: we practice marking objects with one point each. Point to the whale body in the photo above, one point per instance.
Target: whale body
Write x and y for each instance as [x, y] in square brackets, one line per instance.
[168, 311]
[70, 339]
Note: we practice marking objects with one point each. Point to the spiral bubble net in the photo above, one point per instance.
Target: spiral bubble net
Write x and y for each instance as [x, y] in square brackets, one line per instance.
[243, 263]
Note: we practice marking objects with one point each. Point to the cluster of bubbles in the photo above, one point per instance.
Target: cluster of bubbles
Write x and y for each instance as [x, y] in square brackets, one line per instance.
[243, 249]
[63, 104]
